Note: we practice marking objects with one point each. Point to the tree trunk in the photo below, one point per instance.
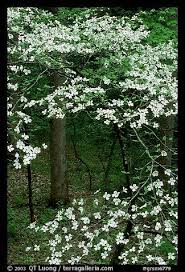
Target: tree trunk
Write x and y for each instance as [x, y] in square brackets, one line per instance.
[30, 198]
[166, 131]
[59, 183]
[126, 165]
[166, 134]
[129, 224]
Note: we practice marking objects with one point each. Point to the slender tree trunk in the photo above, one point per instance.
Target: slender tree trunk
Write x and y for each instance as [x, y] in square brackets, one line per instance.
[79, 158]
[166, 133]
[29, 177]
[124, 160]
[129, 225]
[59, 184]
[32, 215]
[119, 248]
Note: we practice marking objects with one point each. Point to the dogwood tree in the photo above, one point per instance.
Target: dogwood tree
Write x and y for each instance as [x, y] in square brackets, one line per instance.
[125, 83]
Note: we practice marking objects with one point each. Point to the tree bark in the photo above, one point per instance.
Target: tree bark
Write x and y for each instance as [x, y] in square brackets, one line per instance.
[29, 177]
[58, 178]
[59, 184]
[119, 248]
[126, 166]
[129, 224]
[166, 133]
[166, 130]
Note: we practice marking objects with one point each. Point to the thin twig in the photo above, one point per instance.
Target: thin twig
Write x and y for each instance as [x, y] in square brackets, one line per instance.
[80, 159]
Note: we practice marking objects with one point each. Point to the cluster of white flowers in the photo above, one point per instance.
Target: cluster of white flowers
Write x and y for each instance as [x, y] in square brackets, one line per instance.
[91, 236]
[13, 87]
[21, 68]
[107, 114]
[100, 32]
[149, 79]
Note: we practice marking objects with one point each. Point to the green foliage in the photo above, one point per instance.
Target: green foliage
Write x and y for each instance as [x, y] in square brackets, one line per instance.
[41, 164]
[47, 215]
[166, 247]
[162, 23]
[12, 226]
[19, 200]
